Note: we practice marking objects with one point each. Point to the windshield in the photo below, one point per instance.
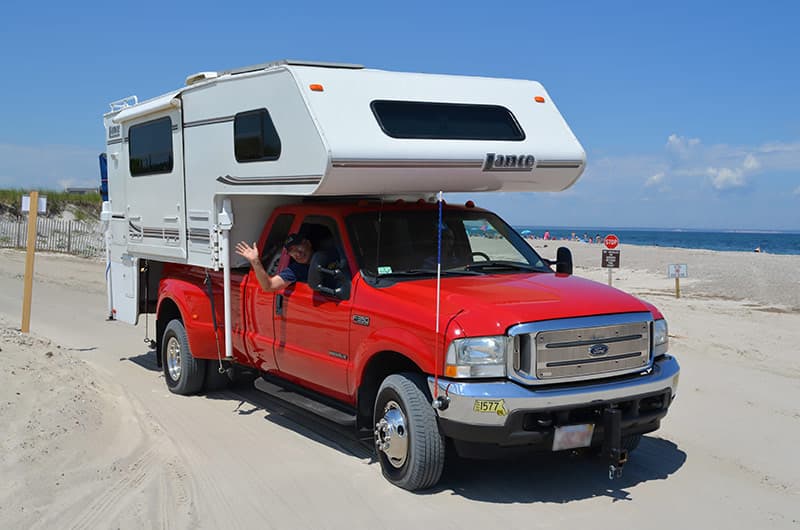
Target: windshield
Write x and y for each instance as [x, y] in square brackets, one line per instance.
[404, 243]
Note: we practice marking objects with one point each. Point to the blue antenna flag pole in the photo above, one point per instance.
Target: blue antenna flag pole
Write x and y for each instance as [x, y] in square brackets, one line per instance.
[438, 296]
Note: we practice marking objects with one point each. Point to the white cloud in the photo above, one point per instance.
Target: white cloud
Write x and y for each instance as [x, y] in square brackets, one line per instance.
[724, 178]
[725, 166]
[681, 146]
[750, 163]
[655, 180]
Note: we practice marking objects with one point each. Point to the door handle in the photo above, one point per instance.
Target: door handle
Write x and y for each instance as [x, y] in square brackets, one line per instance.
[279, 304]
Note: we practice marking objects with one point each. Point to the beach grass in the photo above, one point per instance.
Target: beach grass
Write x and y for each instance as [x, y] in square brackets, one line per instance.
[85, 204]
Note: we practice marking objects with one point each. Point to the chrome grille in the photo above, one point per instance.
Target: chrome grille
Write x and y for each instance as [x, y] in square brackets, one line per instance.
[581, 348]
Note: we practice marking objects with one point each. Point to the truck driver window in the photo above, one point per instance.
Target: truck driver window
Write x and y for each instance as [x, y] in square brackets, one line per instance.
[273, 246]
[150, 147]
[446, 121]
[323, 234]
[255, 137]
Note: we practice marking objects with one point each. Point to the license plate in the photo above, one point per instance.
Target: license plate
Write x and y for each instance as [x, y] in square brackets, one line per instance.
[572, 436]
[493, 406]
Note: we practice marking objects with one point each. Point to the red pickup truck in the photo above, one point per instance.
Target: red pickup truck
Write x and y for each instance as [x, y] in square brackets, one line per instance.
[503, 350]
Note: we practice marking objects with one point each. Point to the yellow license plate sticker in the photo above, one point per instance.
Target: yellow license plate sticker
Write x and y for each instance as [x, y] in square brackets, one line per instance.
[491, 406]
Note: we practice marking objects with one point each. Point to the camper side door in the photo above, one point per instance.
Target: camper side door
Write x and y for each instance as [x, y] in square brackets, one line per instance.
[155, 205]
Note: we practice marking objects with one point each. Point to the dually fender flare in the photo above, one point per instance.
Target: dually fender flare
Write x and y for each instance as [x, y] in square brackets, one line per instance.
[396, 340]
[195, 311]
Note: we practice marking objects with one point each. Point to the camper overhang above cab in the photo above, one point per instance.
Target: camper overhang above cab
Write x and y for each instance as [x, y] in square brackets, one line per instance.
[393, 132]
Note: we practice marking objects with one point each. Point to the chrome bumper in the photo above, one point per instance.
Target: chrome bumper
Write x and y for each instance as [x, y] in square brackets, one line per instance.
[467, 399]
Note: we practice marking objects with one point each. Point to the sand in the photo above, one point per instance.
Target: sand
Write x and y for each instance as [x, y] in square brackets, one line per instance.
[91, 438]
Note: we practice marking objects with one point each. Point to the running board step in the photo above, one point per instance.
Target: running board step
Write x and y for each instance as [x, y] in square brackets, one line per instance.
[306, 403]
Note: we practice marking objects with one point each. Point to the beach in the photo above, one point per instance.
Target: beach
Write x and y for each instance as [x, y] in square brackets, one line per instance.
[91, 437]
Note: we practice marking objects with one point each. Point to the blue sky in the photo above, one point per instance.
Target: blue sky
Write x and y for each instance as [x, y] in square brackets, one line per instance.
[689, 111]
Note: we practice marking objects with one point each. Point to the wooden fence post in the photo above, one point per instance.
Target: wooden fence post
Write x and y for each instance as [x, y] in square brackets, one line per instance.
[28, 282]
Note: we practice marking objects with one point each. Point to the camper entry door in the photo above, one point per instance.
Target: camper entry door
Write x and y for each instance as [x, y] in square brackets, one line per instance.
[155, 186]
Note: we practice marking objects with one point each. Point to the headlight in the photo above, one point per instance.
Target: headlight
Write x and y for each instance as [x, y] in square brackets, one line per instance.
[477, 357]
[660, 337]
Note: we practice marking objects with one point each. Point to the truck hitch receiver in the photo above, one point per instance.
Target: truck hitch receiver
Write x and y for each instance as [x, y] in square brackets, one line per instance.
[612, 442]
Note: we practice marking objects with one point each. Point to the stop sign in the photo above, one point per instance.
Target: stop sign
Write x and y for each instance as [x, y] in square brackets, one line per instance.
[611, 241]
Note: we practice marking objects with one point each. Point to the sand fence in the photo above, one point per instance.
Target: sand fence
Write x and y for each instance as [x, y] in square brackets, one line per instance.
[55, 235]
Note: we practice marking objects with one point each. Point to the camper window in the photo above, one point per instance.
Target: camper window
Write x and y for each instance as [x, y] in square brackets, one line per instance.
[446, 121]
[150, 147]
[255, 137]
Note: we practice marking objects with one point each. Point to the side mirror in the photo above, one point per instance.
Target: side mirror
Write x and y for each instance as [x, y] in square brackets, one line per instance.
[328, 275]
[564, 261]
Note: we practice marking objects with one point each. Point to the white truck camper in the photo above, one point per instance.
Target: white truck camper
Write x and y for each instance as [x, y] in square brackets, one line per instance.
[236, 144]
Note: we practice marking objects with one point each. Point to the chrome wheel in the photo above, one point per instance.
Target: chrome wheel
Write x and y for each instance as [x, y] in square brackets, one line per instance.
[391, 435]
[174, 358]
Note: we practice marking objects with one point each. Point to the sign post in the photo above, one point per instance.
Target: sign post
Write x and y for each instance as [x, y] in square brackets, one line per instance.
[677, 271]
[610, 254]
[28, 288]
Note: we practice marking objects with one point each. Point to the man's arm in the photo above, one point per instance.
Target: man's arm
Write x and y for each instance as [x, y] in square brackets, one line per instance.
[268, 283]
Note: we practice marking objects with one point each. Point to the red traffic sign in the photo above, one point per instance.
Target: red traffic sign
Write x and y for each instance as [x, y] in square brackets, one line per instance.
[611, 241]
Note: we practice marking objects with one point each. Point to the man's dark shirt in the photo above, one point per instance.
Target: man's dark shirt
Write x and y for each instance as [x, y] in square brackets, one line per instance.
[295, 272]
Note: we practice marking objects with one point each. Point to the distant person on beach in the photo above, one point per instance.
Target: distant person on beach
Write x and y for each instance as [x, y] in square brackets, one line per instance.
[757, 249]
[546, 235]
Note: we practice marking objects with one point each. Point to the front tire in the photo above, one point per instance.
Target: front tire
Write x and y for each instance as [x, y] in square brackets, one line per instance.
[410, 448]
[183, 373]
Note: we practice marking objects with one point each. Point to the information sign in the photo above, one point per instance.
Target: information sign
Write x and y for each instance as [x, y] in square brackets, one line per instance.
[41, 203]
[610, 259]
[677, 270]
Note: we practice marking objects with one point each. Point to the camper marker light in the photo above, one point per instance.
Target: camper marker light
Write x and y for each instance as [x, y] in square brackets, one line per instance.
[316, 87]
[539, 99]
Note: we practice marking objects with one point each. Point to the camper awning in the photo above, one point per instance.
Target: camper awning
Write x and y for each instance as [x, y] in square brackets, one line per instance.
[148, 107]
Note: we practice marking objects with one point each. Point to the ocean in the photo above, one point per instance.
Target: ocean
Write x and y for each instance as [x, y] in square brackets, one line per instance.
[775, 242]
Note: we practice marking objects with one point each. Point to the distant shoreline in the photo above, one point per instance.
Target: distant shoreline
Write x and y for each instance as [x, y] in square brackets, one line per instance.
[781, 243]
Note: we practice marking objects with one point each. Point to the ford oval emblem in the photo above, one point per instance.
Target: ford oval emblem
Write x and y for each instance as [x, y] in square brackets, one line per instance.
[598, 349]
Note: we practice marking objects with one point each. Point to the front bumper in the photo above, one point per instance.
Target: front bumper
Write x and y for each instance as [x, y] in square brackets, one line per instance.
[506, 413]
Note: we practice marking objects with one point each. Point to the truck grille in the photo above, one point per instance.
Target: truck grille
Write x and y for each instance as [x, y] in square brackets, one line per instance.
[601, 346]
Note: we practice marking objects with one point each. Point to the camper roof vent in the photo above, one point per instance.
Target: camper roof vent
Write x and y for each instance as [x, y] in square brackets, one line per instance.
[294, 62]
[200, 76]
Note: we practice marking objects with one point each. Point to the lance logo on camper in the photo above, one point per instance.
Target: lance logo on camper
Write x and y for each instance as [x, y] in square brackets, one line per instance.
[495, 162]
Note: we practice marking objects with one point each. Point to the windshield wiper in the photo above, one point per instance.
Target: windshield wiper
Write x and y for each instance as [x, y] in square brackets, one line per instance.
[503, 265]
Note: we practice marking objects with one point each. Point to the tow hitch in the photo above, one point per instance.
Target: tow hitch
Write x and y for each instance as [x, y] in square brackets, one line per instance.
[612, 442]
